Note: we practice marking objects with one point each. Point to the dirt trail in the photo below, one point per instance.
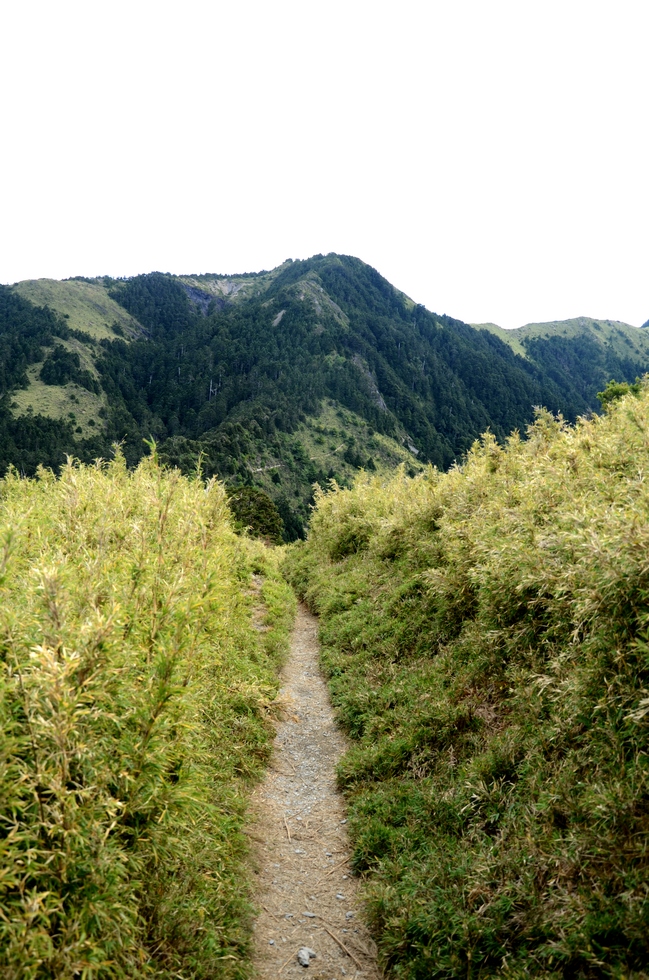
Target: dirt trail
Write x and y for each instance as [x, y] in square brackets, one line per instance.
[300, 846]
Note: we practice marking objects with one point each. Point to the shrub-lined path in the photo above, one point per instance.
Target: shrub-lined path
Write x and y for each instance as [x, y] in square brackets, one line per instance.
[304, 888]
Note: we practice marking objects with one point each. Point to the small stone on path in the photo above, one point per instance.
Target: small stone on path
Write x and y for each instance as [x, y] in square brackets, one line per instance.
[305, 954]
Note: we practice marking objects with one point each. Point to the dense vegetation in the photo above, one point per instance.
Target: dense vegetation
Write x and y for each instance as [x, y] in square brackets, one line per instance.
[135, 696]
[25, 330]
[485, 632]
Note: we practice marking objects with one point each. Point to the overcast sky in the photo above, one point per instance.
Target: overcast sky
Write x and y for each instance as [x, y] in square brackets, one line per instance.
[488, 157]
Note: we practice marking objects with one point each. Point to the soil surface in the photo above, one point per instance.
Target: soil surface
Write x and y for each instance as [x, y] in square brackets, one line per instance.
[301, 853]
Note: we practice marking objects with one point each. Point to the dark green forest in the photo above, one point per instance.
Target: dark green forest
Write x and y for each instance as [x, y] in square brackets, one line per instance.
[439, 380]
[581, 365]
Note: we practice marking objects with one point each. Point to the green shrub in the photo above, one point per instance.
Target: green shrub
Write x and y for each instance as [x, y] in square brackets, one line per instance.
[254, 511]
[486, 639]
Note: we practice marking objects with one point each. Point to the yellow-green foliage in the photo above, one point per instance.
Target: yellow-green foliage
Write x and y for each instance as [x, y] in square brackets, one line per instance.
[135, 694]
[485, 632]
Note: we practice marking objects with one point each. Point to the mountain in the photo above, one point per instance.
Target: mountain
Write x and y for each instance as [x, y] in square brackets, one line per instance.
[277, 379]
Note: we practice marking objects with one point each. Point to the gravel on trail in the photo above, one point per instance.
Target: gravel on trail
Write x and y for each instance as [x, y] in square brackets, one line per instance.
[308, 900]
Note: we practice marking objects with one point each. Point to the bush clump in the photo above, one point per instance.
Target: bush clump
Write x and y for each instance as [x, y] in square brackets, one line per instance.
[486, 636]
[134, 697]
[61, 366]
[254, 511]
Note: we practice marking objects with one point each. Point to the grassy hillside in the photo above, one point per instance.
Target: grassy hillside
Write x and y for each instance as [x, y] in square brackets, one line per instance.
[485, 632]
[135, 698]
[49, 388]
[84, 409]
[85, 314]
[332, 444]
[509, 337]
[339, 442]
[85, 304]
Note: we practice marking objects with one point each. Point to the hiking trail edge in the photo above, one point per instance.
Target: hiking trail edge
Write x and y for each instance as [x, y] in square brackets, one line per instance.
[307, 896]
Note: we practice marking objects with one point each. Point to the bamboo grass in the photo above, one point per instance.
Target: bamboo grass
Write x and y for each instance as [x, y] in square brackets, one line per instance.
[486, 636]
[134, 701]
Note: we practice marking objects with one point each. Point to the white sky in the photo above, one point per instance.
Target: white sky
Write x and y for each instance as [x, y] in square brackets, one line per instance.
[488, 157]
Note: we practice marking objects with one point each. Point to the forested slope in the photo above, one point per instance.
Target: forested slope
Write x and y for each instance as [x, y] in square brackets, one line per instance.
[328, 327]
[323, 352]
[485, 635]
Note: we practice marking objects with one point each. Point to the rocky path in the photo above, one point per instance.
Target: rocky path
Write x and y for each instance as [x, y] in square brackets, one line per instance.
[308, 899]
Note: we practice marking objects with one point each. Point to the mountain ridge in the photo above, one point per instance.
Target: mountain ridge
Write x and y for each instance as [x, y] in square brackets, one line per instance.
[603, 330]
